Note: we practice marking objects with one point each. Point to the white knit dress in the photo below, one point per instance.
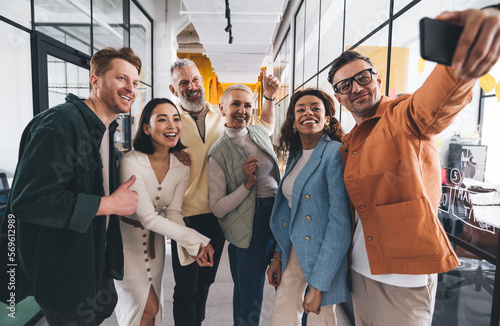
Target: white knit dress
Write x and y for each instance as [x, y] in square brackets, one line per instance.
[140, 271]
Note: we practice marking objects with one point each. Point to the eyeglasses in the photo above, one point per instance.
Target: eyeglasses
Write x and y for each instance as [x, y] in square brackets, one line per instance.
[363, 78]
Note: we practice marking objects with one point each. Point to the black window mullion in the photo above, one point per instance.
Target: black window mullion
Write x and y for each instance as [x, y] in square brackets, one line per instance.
[389, 46]
[91, 27]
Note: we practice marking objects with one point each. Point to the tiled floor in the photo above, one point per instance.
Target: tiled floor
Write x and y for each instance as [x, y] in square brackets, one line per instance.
[219, 305]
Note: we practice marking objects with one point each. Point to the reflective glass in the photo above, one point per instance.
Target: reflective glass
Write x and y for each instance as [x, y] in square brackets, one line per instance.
[64, 78]
[144, 95]
[464, 294]
[140, 41]
[283, 67]
[332, 12]
[491, 116]
[362, 18]
[67, 21]
[108, 24]
[311, 40]
[18, 11]
[326, 87]
[299, 47]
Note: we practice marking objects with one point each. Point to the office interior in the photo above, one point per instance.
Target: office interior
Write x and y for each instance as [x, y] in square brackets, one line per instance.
[46, 46]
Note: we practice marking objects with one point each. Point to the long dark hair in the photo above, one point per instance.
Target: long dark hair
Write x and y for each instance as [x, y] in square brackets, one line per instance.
[289, 142]
[142, 142]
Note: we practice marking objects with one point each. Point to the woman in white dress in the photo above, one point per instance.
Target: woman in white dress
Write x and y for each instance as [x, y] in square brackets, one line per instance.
[161, 181]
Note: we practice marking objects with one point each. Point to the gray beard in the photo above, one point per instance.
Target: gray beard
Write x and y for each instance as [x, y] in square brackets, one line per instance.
[193, 106]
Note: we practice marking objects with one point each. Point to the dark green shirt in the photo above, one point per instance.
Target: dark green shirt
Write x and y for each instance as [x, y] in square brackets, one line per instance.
[63, 248]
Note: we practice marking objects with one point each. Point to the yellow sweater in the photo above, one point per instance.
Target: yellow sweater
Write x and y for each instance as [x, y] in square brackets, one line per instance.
[196, 200]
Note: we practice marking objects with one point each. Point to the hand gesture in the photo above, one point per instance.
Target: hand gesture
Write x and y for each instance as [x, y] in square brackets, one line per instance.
[183, 157]
[274, 272]
[270, 84]
[478, 48]
[205, 257]
[312, 301]
[121, 202]
[250, 168]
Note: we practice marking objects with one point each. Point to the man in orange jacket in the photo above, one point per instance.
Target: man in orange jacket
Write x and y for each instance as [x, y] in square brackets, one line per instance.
[392, 174]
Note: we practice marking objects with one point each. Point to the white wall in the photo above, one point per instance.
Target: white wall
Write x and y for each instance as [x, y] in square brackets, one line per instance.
[16, 105]
[167, 24]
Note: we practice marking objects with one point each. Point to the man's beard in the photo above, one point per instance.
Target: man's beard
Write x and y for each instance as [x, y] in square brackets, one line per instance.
[196, 106]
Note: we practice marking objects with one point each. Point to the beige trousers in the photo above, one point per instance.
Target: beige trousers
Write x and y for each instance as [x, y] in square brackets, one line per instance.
[380, 304]
[289, 296]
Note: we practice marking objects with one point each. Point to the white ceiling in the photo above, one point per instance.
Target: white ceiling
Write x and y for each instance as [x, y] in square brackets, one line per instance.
[254, 25]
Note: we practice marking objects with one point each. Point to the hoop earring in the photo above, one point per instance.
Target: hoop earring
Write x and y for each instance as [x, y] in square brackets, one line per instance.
[294, 130]
[327, 127]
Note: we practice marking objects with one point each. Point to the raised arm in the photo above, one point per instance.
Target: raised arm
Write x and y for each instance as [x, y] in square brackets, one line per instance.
[271, 86]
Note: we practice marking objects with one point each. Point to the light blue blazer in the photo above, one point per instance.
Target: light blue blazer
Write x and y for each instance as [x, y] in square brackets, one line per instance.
[319, 222]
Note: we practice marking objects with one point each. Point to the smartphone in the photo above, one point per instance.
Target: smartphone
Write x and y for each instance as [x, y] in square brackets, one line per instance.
[438, 40]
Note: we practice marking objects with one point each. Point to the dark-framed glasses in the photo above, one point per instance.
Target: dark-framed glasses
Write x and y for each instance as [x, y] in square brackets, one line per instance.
[364, 77]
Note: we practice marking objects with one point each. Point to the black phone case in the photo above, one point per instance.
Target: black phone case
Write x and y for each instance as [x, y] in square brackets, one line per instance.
[438, 40]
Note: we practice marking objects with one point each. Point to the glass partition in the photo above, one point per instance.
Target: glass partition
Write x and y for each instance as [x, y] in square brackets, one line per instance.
[331, 35]
[465, 295]
[363, 17]
[299, 47]
[282, 68]
[18, 11]
[311, 40]
[67, 21]
[140, 41]
[64, 78]
[108, 24]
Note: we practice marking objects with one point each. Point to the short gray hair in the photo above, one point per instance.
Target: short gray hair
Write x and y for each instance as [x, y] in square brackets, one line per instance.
[180, 63]
[235, 87]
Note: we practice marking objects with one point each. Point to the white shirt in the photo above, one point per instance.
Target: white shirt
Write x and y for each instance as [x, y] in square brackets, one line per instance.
[104, 150]
[287, 187]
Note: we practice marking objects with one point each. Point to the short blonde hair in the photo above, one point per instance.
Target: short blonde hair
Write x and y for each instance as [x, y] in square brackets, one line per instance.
[235, 87]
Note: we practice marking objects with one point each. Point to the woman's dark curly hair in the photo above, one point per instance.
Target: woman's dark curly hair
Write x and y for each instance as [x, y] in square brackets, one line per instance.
[289, 143]
[143, 142]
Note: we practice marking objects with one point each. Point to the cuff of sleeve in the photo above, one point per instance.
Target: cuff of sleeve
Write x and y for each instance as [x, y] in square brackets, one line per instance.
[85, 210]
[185, 256]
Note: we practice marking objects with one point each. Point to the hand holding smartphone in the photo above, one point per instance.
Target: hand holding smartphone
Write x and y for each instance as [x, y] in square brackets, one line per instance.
[438, 40]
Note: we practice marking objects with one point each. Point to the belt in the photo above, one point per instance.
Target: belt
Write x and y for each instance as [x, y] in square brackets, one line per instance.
[151, 241]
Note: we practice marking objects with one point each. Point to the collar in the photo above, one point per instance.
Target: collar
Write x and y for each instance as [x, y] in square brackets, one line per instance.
[90, 118]
[382, 106]
[209, 107]
[143, 159]
[235, 133]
